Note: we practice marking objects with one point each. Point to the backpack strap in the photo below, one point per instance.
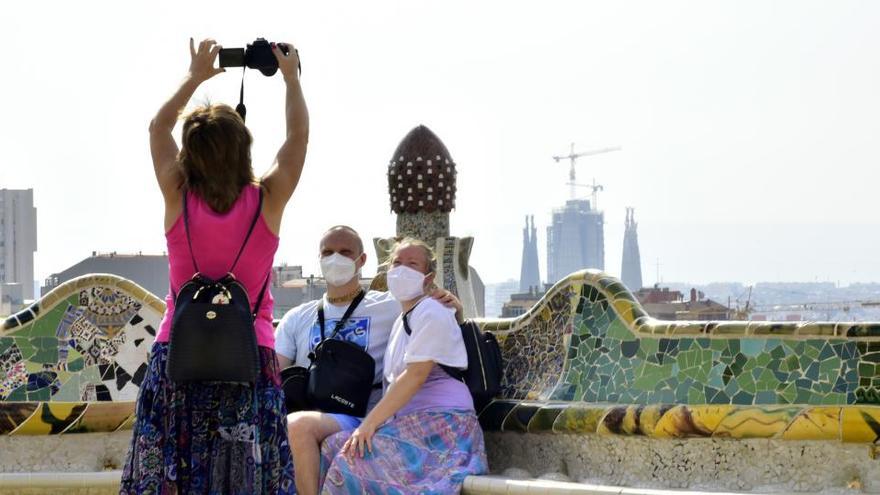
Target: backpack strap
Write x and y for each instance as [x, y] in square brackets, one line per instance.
[243, 244]
[262, 293]
[249, 232]
[186, 227]
[451, 371]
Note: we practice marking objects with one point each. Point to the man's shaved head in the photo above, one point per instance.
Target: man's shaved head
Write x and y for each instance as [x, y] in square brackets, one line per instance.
[341, 233]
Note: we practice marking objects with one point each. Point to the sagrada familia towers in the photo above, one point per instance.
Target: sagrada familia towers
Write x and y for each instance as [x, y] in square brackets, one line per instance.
[631, 266]
[529, 275]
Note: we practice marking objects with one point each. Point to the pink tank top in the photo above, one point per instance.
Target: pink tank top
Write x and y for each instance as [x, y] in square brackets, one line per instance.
[216, 239]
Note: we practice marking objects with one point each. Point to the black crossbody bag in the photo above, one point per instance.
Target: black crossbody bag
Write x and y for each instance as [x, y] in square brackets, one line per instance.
[339, 379]
[212, 333]
[341, 374]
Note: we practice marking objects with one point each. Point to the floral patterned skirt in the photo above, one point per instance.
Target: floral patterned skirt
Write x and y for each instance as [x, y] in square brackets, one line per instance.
[209, 438]
[426, 452]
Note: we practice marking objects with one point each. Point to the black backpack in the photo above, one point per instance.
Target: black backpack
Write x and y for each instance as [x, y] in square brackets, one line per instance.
[485, 366]
[212, 332]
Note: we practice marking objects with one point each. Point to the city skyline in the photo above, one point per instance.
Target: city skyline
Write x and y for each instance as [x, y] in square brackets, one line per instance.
[747, 129]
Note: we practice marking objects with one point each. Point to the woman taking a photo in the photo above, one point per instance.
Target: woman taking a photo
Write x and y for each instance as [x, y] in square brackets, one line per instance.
[215, 436]
[423, 436]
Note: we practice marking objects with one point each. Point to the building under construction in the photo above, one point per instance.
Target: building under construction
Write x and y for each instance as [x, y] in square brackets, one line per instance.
[575, 240]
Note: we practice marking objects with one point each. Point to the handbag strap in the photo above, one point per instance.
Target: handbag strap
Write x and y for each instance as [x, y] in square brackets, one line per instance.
[406, 327]
[243, 244]
[341, 323]
[453, 372]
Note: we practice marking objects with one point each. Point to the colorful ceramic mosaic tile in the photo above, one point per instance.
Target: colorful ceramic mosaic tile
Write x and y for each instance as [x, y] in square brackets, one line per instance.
[586, 359]
[81, 347]
[589, 341]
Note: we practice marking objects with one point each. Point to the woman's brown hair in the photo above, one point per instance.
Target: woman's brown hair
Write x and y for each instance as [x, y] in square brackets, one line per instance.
[216, 155]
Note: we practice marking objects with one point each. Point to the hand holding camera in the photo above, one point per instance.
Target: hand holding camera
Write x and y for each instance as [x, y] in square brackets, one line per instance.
[201, 66]
[261, 55]
[288, 60]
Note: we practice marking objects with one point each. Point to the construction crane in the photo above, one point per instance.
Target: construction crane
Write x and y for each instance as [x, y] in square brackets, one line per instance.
[572, 157]
[594, 190]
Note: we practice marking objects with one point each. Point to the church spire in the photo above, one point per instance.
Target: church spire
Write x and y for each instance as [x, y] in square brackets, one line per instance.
[631, 271]
[529, 275]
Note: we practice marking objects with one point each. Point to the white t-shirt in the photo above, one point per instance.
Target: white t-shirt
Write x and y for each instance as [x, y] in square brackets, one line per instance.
[436, 337]
[369, 327]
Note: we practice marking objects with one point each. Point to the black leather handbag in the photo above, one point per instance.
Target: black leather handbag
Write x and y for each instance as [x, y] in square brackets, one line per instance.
[212, 332]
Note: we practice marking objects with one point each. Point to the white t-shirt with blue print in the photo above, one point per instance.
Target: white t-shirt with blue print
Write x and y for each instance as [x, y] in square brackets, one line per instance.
[369, 327]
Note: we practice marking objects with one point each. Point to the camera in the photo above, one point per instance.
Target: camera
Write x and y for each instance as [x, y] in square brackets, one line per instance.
[258, 55]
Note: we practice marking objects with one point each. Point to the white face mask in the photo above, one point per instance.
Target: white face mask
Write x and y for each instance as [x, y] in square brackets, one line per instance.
[338, 270]
[405, 284]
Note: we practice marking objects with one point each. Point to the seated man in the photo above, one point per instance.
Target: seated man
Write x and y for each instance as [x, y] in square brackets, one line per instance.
[342, 257]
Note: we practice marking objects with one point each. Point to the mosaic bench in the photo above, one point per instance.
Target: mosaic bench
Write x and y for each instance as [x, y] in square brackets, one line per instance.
[592, 383]
[72, 362]
[598, 391]
[585, 359]
[588, 359]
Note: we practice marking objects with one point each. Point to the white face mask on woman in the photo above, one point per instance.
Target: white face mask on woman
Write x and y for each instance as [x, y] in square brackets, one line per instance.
[338, 270]
[405, 284]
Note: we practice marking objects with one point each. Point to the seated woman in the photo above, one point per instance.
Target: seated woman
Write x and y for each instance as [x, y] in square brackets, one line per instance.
[423, 436]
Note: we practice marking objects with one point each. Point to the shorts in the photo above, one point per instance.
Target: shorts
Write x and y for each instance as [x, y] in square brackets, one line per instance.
[345, 421]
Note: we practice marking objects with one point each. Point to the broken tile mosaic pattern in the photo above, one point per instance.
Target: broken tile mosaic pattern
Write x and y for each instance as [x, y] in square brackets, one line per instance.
[83, 345]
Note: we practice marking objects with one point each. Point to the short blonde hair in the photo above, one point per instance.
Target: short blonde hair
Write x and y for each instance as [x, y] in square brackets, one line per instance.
[412, 241]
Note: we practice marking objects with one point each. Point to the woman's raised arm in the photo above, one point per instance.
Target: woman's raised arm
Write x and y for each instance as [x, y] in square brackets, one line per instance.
[163, 148]
[281, 180]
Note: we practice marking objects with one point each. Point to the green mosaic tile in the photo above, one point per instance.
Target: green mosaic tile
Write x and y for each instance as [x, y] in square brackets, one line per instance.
[696, 396]
[747, 383]
[27, 349]
[751, 347]
[69, 391]
[830, 366]
[44, 326]
[718, 345]
[42, 394]
[18, 395]
[617, 330]
[5, 343]
[607, 361]
[46, 350]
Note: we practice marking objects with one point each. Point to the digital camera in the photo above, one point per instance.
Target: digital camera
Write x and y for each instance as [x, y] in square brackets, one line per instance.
[257, 55]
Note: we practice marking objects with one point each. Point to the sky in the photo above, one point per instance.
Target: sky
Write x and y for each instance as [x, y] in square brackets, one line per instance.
[748, 129]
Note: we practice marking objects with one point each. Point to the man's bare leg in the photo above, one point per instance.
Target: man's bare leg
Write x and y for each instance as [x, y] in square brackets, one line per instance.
[305, 432]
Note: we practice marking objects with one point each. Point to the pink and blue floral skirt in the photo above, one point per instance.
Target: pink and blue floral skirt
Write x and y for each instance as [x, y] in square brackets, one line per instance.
[426, 452]
[209, 438]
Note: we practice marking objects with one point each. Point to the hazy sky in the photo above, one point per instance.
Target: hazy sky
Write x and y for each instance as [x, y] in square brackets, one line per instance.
[749, 129]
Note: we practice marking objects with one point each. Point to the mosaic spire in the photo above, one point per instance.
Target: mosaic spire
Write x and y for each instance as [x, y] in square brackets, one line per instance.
[421, 185]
